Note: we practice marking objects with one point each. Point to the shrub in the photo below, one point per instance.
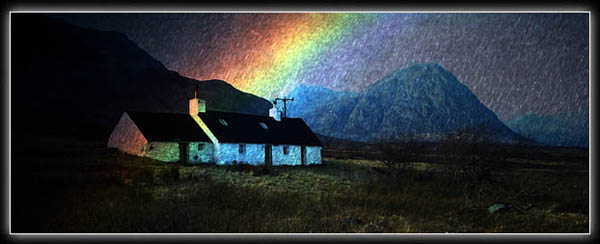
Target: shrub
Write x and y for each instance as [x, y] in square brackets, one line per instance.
[262, 170]
[239, 167]
[396, 158]
[169, 174]
[468, 158]
[174, 173]
[256, 170]
[143, 175]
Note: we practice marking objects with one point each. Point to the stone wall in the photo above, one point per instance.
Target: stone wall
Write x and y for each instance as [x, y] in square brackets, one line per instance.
[292, 158]
[313, 155]
[200, 156]
[163, 151]
[254, 154]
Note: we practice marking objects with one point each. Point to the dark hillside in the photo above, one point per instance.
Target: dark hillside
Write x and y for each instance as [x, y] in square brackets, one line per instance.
[67, 79]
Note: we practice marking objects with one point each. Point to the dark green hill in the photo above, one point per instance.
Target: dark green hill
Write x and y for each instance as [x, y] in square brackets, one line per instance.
[71, 80]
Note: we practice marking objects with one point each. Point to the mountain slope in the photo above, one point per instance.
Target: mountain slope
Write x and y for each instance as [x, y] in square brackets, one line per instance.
[65, 79]
[569, 129]
[422, 102]
[313, 100]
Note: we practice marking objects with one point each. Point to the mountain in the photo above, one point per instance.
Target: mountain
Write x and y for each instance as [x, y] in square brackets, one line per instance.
[67, 79]
[570, 129]
[420, 102]
[322, 109]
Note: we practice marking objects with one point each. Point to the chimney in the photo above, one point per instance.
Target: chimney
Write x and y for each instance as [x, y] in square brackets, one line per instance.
[274, 113]
[197, 105]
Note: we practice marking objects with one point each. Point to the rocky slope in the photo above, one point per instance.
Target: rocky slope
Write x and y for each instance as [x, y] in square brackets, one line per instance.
[420, 102]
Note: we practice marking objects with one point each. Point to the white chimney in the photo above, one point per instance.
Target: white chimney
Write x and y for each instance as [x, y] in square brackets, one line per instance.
[201, 105]
[274, 113]
[197, 105]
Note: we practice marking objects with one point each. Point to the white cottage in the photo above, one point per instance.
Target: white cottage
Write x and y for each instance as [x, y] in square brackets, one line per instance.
[221, 137]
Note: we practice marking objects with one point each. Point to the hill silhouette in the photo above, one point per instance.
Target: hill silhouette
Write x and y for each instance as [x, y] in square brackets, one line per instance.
[71, 80]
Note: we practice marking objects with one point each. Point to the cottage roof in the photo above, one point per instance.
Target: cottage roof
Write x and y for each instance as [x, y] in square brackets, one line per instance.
[245, 128]
[168, 127]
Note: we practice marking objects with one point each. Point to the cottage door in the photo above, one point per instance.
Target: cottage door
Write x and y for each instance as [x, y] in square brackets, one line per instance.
[183, 152]
[303, 155]
[268, 156]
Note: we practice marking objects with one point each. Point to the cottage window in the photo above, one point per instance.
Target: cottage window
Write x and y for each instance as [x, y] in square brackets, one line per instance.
[264, 126]
[286, 150]
[242, 148]
[223, 122]
[200, 146]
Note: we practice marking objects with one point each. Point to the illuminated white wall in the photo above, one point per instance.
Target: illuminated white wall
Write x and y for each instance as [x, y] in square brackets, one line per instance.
[292, 158]
[313, 155]
[200, 156]
[255, 154]
[162, 151]
[169, 152]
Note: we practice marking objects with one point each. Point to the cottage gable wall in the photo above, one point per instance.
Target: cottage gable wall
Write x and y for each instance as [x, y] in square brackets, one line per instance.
[127, 137]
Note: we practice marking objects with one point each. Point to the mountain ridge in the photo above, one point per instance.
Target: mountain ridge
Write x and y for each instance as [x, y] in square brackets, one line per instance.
[568, 129]
[80, 79]
[428, 100]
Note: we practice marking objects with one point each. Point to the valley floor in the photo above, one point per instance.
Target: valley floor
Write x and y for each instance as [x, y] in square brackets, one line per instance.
[60, 185]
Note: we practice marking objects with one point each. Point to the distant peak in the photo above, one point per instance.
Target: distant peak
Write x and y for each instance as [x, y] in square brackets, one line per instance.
[434, 66]
[426, 72]
[309, 86]
[302, 88]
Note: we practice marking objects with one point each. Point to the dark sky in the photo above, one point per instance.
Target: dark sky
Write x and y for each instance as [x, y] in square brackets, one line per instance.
[515, 63]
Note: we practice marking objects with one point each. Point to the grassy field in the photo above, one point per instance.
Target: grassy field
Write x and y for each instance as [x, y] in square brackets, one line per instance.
[62, 185]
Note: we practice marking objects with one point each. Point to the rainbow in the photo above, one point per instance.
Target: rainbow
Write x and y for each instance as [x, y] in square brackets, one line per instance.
[269, 55]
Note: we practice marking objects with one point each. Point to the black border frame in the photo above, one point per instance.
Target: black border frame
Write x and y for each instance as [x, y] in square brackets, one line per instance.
[276, 6]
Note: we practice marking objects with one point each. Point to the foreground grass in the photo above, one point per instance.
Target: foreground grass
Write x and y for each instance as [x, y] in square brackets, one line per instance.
[107, 191]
